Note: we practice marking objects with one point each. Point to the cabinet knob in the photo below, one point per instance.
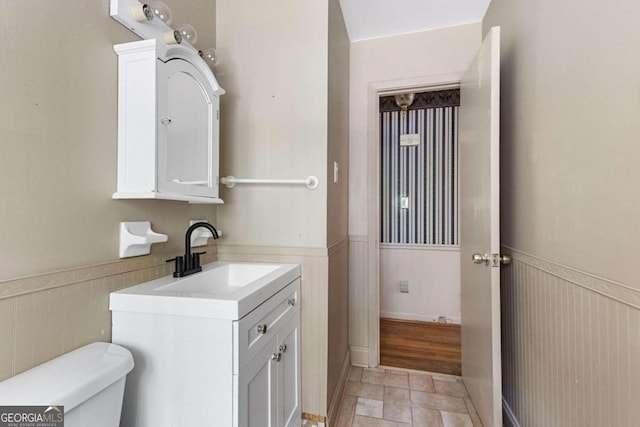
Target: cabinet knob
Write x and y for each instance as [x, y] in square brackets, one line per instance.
[166, 121]
[276, 356]
[291, 301]
[283, 348]
[262, 329]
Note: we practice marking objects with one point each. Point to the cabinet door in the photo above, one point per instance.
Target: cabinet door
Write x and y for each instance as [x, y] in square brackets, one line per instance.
[289, 392]
[258, 390]
[187, 131]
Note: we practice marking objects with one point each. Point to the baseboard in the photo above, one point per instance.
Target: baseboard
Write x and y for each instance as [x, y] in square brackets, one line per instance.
[336, 399]
[359, 356]
[418, 317]
[509, 418]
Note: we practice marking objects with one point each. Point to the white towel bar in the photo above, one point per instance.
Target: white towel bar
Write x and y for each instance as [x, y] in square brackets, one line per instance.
[230, 181]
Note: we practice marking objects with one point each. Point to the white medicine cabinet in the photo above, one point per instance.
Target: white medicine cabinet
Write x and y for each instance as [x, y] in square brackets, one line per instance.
[168, 123]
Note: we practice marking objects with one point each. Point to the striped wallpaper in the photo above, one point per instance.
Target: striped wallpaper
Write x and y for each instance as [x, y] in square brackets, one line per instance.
[427, 174]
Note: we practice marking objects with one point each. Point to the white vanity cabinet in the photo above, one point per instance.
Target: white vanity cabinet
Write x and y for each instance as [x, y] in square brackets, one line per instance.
[168, 115]
[268, 362]
[198, 367]
[268, 391]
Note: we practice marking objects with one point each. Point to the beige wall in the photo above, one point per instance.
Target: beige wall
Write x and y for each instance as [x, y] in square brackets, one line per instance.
[274, 119]
[570, 131]
[570, 209]
[338, 126]
[58, 130]
[409, 58]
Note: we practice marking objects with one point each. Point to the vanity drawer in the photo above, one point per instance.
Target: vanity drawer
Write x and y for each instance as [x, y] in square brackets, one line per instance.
[256, 329]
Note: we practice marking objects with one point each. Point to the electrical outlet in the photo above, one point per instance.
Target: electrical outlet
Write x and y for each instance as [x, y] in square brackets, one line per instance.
[404, 286]
[404, 203]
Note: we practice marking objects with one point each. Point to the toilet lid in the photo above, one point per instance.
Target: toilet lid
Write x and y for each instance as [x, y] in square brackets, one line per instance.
[70, 379]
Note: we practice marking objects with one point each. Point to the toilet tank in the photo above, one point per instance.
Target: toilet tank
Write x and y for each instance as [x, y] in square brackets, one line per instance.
[88, 382]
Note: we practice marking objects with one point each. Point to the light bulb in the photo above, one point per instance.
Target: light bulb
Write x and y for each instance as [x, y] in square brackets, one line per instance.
[210, 56]
[162, 12]
[188, 33]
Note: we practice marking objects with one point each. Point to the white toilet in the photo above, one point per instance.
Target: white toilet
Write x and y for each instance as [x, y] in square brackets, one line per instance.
[88, 382]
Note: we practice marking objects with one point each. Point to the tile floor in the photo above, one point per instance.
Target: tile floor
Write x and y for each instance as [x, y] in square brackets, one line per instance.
[394, 397]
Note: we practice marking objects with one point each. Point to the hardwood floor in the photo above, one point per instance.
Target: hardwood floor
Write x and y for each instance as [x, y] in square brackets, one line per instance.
[426, 346]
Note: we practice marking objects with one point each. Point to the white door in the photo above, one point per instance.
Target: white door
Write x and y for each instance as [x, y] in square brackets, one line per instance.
[479, 141]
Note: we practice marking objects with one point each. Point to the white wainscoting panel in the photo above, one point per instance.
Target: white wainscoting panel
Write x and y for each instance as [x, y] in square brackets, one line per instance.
[570, 346]
[358, 301]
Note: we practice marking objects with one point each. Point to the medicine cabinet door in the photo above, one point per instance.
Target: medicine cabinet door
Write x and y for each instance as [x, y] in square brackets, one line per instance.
[187, 131]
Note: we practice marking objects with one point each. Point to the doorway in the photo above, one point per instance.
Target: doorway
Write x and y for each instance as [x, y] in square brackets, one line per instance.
[372, 243]
[418, 211]
[479, 232]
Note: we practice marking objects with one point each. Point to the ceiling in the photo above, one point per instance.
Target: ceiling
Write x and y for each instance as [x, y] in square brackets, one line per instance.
[367, 19]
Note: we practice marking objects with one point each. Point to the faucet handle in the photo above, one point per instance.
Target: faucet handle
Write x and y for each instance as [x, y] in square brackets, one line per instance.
[179, 266]
[196, 259]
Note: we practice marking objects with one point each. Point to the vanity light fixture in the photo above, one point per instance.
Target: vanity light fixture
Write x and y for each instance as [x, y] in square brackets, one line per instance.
[144, 13]
[210, 56]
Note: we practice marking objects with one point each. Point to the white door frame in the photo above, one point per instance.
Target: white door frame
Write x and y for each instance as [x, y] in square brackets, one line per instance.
[375, 90]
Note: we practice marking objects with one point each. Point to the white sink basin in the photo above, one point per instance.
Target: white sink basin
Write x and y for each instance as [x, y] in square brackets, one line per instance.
[221, 280]
[222, 290]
